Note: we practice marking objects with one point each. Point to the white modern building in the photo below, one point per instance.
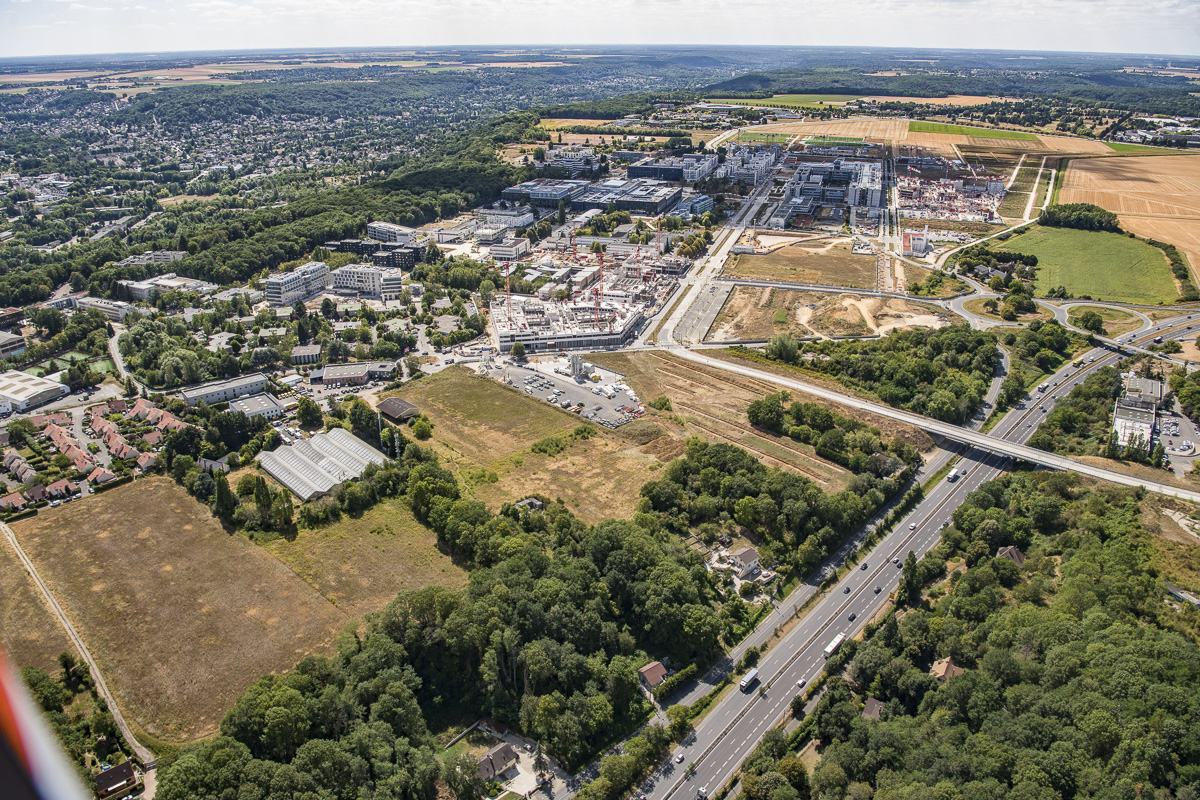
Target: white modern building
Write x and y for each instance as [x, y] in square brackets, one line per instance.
[358, 278]
[113, 309]
[542, 326]
[507, 217]
[288, 287]
[389, 232]
[167, 282]
[510, 249]
[258, 405]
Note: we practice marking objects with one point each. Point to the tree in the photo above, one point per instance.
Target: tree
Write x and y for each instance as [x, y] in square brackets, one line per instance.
[1091, 321]
[308, 413]
[518, 351]
[281, 511]
[782, 348]
[562, 211]
[224, 502]
[300, 311]
[487, 290]
[422, 429]
[328, 309]
[461, 774]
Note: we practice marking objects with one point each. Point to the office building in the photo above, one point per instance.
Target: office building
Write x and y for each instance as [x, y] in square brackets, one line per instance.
[545, 192]
[510, 249]
[224, 391]
[689, 168]
[288, 287]
[506, 217]
[389, 232]
[167, 282]
[357, 278]
[548, 326]
[113, 309]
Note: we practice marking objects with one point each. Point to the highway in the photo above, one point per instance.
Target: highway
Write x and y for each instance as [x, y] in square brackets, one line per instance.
[731, 730]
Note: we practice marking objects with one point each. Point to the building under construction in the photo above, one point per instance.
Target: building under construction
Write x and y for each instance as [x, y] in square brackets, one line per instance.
[549, 325]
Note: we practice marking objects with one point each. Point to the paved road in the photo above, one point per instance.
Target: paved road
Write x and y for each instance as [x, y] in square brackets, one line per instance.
[145, 755]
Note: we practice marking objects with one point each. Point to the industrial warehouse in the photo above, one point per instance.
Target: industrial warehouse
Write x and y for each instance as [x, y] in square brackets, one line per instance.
[311, 467]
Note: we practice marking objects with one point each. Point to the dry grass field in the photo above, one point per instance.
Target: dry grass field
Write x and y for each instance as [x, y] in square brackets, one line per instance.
[180, 615]
[29, 632]
[1155, 196]
[827, 262]
[756, 313]
[360, 565]
[712, 405]
[483, 430]
[1116, 321]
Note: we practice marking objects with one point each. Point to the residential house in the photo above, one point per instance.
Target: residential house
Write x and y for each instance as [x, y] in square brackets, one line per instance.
[653, 674]
[1012, 553]
[81, 460]
[60, 488]
[497, 761]
[146, 460]
[12, 502]
[40, 421]
[122, 449]
[872, 708]
[945, 669]
[100, 475]
[102, 427]
[116, 782]
[153, 438]
[35, 493]
[745, 561]
[141, 409]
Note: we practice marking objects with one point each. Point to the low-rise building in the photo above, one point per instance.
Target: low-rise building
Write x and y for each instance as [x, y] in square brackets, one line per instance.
[313, 466]
[652, 675]
[397, 410]
[224, 391]
[11, 344]
[24, 391]
[745, 561]
[389, 232]
[1133, 425]
[113, 309]
[11, 317]
[497, 761]
[258, 405]
[306, 354]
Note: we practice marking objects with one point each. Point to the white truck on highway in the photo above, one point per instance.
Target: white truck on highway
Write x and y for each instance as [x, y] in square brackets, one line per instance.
[953, 476]
[835, 645]
[749, 679]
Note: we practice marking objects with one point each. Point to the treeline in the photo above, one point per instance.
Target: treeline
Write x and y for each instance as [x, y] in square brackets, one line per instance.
[941, 373]
[1074, 682]
[1081, 422]
[616, 107]
[1083, 216]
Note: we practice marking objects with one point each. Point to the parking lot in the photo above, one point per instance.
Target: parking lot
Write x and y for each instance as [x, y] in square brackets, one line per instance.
[541, 381]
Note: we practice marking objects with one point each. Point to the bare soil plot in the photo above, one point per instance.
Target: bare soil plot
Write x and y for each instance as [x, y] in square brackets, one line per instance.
[180, 615]
[755, 313]
[1155, 196]
[361, 564]
[827, 262]
[864, 127]
[483, 430]
[712, 405]
[29, 630]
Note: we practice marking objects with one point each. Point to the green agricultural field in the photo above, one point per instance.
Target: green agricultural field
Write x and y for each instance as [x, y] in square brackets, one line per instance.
[1105, 266]
[750, 136]
[1126, 147]
[789, 100]
[916, 126]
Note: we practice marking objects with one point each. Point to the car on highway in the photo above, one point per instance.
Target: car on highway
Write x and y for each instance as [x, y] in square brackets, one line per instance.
[853, 617]
[912, 526]
[800, 683]
[679, 758]
[846, 590]
[864, 565]
[878, 589]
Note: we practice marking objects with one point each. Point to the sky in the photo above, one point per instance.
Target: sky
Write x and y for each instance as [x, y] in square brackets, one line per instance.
[61, 27]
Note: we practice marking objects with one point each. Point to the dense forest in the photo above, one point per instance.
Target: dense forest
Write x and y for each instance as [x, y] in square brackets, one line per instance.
[1076, 679]
[941, 373]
